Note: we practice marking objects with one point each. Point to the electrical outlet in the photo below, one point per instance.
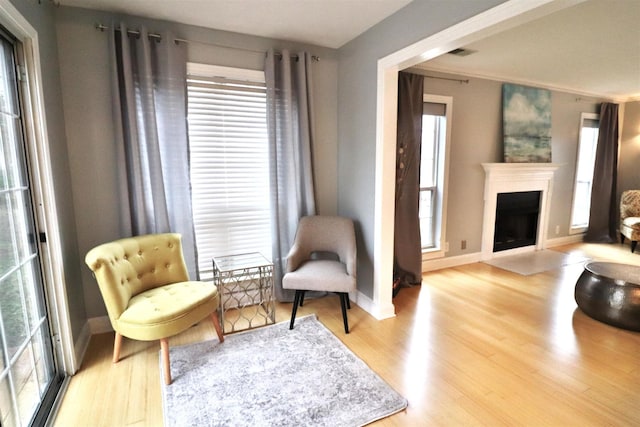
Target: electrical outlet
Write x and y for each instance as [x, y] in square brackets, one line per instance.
[463, 244]
[557, 230]
[446, 247]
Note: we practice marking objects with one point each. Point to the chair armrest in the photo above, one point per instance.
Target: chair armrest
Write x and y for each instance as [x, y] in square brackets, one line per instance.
[351, 263]
[295, 258]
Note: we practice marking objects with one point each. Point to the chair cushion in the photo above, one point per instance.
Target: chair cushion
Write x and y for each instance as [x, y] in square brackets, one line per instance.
[632, 222]
[630, 228]
[167, 310]
[320, 275]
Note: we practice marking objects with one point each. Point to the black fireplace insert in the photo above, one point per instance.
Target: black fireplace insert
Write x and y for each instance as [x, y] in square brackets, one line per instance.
[516, 220]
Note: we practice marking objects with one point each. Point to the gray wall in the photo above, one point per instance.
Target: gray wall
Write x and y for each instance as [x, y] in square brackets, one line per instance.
[78, 113]
[629, 160]
[85, 82]
[41, 17]
[476, 137]
[357, 83]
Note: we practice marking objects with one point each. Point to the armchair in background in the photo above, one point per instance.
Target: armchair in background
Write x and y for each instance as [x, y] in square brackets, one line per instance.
[630, 217]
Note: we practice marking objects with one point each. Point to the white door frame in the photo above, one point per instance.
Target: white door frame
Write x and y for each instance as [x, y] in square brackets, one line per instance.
[43, 192]
[502, 17]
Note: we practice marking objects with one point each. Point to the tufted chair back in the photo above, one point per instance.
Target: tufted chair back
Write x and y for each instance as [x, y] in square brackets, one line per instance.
[630, 204]
[126, 267]
[630, 217]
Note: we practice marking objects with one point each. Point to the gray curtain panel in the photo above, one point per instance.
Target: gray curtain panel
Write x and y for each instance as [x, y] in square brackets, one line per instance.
[603, 214]
[407, 244]
[290, 126]
[149, 105]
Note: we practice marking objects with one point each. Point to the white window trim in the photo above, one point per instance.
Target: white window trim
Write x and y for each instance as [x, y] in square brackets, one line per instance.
[208, 70]
[43, 189]
[443, 178]
[583, 117]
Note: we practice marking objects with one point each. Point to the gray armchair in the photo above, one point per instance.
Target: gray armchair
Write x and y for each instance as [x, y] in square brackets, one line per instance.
[309, 268]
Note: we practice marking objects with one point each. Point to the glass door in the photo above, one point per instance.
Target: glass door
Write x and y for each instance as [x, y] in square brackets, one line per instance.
[28, 376]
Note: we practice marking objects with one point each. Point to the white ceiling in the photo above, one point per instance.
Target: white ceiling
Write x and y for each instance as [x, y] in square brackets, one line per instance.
[328, 23]
[592, 48]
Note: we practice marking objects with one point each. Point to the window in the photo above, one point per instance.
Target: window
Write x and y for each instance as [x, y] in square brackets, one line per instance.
[589, 124]
[436, 126]
[229, 162]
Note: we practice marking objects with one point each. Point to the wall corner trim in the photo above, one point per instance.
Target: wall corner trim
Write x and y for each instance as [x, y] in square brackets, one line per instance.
[99, 325]
[378, 311]
[80, 347]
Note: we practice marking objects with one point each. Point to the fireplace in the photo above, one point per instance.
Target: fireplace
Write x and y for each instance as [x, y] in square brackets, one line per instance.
[516, 220]
[533, 179]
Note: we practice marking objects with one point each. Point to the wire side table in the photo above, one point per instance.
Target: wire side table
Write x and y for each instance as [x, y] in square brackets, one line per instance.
[245, 283]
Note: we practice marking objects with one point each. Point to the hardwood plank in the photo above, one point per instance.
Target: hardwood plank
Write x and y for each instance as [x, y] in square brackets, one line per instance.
[474, 345]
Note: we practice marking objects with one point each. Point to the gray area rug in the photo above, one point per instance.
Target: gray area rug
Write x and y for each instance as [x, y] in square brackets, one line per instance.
[536, 262]
[272, 376]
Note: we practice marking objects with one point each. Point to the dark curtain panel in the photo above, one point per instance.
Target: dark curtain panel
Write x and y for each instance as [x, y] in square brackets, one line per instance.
[603, 214]
[291, 132]
[407, 247]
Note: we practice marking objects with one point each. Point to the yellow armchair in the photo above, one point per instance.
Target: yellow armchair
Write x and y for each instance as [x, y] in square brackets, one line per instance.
[147, 292]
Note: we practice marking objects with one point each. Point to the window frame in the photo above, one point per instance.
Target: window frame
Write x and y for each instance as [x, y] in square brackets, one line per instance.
[583, 117]
[442, 181]
[38, 150]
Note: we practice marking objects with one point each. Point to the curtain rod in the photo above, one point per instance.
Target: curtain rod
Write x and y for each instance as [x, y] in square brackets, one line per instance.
[102, 28]
[450, 79]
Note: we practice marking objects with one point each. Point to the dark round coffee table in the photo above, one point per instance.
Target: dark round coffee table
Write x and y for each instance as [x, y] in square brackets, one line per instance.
[610, 292]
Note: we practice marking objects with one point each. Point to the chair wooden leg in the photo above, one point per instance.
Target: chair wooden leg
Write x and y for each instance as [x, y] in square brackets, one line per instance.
[344, 297]
[621, 238]
[634, 243]
[296, 301]
[117, 344]
[216, 325]
[166, 367]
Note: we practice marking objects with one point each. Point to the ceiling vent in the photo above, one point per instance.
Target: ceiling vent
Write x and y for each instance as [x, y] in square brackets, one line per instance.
[461, 52]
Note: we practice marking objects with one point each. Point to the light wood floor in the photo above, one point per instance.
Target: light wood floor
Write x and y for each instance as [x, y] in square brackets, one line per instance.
[474, 345]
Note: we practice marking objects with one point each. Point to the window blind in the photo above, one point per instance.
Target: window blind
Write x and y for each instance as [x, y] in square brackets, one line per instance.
[229, 167]
[591, 123]
[434, 109]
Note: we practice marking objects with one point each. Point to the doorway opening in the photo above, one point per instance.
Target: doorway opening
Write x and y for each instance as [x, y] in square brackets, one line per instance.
[502, 17]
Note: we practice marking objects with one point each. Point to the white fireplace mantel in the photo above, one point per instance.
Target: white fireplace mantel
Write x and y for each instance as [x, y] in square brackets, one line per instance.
[511, 178]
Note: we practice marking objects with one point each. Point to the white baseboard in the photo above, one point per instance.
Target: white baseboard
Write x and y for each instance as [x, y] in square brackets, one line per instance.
[454, 261]
[100, 325]
[566, 240]
[440, 263]
[377, 311]
[80, 347]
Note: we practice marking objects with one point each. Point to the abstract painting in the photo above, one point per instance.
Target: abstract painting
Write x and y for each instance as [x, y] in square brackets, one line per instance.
[526, 121]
